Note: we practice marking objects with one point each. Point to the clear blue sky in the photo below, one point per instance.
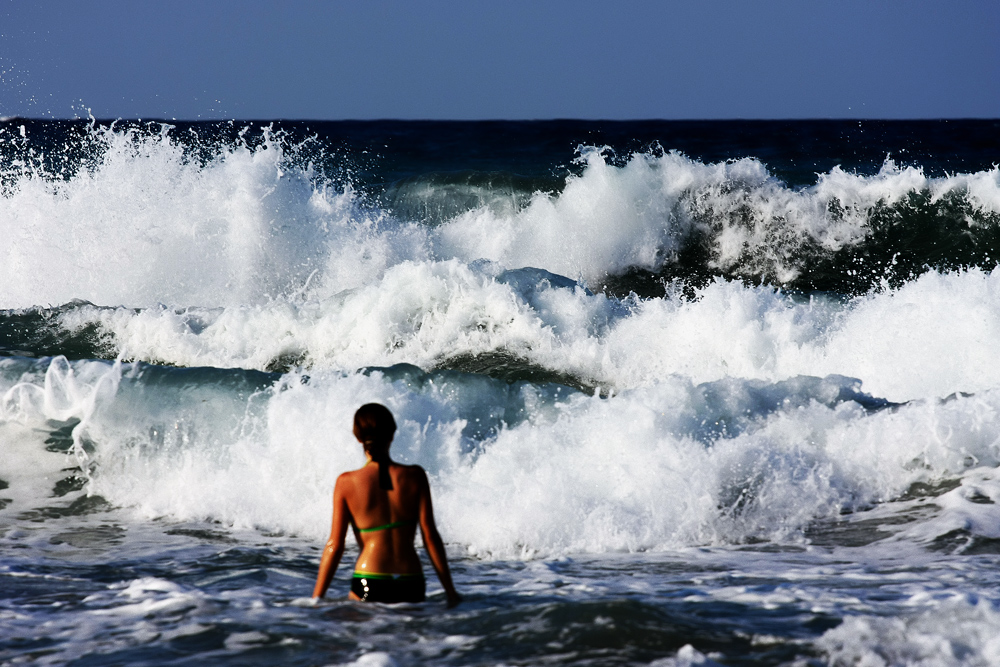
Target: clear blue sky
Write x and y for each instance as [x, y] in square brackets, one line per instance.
[467, 59]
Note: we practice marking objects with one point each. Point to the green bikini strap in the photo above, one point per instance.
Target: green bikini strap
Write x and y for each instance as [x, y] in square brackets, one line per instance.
[395, 524]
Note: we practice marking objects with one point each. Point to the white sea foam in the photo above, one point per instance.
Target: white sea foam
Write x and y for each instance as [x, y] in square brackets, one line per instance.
[613, 218]
[929, 338]
[730, 417]
[373, 659]
[958, 632]
[687, 656]
[135, 612]
[146, 223]
[744, 414]
[672, 465]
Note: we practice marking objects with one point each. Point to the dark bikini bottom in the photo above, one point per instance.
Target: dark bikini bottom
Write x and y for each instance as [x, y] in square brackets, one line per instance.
[389, 587]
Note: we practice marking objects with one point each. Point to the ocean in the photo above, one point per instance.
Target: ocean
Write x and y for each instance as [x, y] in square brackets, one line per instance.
[688, 393]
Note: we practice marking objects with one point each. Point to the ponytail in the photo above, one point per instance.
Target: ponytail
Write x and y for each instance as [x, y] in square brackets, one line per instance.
[381, 457]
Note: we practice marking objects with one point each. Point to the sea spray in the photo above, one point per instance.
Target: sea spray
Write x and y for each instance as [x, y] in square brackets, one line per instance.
[140, 218]
[671, 466]
[685, 392]
[928, 338]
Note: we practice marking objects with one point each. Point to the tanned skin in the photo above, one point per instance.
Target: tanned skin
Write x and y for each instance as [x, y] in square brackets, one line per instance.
[359, 501]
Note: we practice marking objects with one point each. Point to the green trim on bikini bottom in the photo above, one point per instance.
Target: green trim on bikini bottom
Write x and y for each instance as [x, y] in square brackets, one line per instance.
[382, 575]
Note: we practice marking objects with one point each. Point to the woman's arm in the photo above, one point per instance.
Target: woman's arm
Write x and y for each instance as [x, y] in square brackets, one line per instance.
[334, 550]
[433, 542]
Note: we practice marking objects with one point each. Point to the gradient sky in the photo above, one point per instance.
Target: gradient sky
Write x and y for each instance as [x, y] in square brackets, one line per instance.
[515, 59]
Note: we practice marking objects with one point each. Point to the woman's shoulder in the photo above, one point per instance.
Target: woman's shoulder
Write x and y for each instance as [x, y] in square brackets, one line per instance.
[348, 474]
[413, 471]
[349, 477]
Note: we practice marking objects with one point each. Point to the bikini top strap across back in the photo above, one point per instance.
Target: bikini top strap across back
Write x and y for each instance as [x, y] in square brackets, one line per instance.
[394, 524]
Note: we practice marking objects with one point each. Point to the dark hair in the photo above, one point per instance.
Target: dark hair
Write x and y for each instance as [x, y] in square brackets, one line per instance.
[374, 427]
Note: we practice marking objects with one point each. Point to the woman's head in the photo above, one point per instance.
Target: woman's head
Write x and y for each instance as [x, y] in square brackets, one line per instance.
[374, 426]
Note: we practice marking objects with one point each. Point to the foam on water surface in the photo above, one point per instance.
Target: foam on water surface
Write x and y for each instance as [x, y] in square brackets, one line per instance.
[955, 632]
[780, 448]
[929, 338]
[673, 465]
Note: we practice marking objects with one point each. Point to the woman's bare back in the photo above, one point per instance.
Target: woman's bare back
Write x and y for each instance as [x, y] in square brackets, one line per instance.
[385, 521]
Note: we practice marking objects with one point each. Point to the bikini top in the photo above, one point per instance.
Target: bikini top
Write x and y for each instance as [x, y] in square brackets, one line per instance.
[394, 524]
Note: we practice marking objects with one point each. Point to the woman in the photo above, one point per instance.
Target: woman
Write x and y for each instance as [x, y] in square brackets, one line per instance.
[383, 503]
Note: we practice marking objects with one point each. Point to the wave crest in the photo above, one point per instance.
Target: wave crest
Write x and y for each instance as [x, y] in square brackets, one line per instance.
[144, 217]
